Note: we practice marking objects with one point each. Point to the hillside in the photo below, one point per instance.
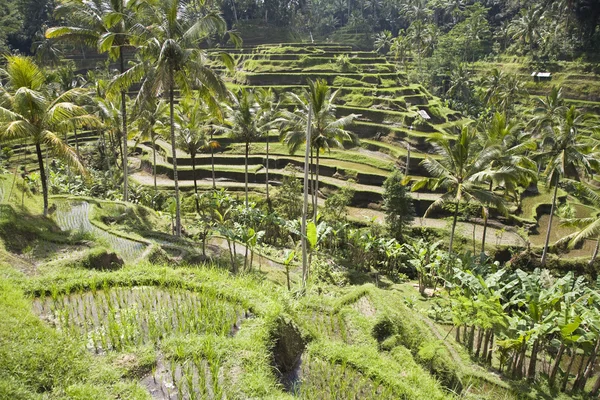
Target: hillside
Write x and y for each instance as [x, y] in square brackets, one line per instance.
[155, 329]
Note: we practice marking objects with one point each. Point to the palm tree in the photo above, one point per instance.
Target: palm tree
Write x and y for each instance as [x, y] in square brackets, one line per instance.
[565, 150]
[548, 109]
[510, 167]
[30, 111]
[109, 26]
[149, 121]
[244, 125]
[177, 62]
[526, 28]
[327, 130]
[589, 227]
[269, 107]
[458, 171]
[192, 136]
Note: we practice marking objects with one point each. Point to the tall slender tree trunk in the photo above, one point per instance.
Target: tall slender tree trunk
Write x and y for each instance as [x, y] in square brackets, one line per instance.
[49, 172]
[453, 229]
[317, 188]
[547, 242]
[312, 179]
[154, 162]
[305, 261]
[212, 160]
[124, 149]
[40, 157]
[174, 152]
[246, 172]
[486, 212]
[267, 174]
[556, 365]
[195, 182]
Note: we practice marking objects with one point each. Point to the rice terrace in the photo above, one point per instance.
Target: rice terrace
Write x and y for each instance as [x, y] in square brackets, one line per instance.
[242, 199]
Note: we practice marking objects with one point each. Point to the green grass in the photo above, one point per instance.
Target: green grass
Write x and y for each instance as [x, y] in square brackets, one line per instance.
[68, 369]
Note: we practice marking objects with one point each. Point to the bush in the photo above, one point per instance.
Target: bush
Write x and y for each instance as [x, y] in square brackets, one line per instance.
[102, 259]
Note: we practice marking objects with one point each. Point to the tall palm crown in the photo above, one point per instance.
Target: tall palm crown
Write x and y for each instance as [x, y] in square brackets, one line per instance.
[327, 130]
[566, 152]
[458, 172]
[171, 44]
[270, 120]
[244, 123]
[109, 26]
[193, 126]
[509, 167]
[29, 111]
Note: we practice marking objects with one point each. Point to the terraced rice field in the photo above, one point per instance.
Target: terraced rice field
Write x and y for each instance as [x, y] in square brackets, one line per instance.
[118, 319]
[75, 216]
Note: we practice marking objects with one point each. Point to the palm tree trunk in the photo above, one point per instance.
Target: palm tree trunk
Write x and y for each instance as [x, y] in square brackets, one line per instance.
[195, 182]
[305, 262]
[547, 242]
[554, 371]
[154, 162]
[486, 211]
[246, 172]
[312, 179]
[317, 187]
[267, 174]
[453, 227]
[40, 157]
[174, 152]
[124, 149]
[212, 160]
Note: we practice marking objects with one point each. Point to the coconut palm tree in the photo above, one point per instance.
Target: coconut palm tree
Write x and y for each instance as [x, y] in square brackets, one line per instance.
[269, 120]
[327, 130]
[510, 167]
[244, 125]
[458, 171]
[30, 111]
[588, 227]
[110, 26]
[527, 27]
[192, 136]
[567, 152]
[177, 62]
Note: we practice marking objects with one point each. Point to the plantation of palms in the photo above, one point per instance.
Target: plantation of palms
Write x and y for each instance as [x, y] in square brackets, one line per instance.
[399, 209]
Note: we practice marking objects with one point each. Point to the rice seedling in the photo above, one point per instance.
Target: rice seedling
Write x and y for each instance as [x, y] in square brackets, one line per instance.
[325, 380]
[116, 318]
